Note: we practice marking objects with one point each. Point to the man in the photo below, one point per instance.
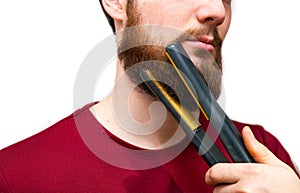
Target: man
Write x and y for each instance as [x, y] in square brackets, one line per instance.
[128, 142]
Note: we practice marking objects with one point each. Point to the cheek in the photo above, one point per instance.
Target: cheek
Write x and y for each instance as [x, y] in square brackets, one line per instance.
[160, 13]
[223, 29]
[159, 19]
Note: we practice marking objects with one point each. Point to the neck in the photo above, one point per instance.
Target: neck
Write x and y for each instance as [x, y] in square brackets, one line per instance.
[136, 117]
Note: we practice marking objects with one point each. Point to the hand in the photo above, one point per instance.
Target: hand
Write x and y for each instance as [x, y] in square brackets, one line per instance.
[269, 174]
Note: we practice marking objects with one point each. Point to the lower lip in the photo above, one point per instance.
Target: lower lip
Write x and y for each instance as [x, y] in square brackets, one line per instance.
[201, 45]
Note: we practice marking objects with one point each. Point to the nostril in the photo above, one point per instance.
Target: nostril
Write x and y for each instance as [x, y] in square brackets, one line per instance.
[209, 19]
[217, 21]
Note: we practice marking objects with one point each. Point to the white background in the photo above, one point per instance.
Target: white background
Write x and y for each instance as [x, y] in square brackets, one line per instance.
[43, 43]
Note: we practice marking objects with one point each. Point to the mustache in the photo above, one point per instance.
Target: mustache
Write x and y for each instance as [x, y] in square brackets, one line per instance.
[156, 35]
[192, 34]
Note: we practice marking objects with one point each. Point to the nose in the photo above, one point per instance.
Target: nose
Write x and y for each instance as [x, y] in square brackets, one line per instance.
[211, 11]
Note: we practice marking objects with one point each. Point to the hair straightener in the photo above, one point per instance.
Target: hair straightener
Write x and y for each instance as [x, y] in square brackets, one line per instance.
[208, 106]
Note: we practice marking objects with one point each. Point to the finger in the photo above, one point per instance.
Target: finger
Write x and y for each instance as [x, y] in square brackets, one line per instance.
[224, 188]
[258, 151]
[223, 173]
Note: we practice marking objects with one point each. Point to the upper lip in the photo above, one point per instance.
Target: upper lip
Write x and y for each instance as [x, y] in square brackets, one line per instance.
[206, 39]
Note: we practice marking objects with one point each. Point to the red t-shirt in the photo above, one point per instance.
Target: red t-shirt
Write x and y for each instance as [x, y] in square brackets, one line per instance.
[78, 155]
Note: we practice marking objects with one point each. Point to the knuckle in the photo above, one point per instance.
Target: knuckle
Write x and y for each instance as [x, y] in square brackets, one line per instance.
[254, 170]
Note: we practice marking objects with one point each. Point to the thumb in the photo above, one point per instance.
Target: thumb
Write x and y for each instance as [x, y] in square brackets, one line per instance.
[258, 151]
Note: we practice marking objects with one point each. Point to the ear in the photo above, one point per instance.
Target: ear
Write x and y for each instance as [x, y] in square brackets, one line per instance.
[116, 9]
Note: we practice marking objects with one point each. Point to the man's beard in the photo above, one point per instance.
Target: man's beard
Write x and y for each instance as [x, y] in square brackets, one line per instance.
[143, 46]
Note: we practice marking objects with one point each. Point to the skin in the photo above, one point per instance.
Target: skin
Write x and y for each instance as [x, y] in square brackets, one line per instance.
[207, 15]
[208, 60]
[269, 174]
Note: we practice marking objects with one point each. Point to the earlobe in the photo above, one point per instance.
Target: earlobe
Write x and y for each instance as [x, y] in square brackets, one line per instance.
[115, 8]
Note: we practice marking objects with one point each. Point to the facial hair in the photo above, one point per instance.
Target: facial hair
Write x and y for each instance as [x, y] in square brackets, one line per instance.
[141, 46]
